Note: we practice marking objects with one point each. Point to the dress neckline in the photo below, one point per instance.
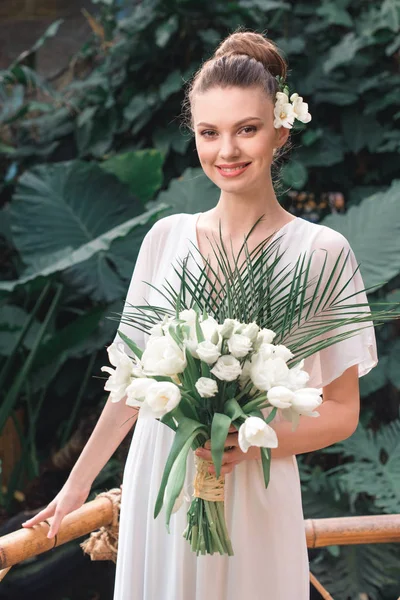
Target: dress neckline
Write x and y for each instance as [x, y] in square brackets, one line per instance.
[195, 238]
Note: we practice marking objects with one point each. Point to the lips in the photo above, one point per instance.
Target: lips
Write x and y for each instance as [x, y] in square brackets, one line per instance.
[233, 165]
[233, 170]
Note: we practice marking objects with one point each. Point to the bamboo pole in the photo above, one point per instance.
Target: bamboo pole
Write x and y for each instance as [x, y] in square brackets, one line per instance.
[343, 531]
[26, 543]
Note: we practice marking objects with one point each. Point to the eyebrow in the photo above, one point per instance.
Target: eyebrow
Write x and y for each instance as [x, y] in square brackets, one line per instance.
[202, 124]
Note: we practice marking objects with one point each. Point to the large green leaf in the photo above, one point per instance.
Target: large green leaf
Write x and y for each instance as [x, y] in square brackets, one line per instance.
[190, 193]
[360, 571]
[140, 170]
[64, 206]
[374, 468]
[373, 231]
[68, 259]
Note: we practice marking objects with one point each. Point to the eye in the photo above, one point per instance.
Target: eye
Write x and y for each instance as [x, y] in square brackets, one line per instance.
[249, 129]
[207, 133]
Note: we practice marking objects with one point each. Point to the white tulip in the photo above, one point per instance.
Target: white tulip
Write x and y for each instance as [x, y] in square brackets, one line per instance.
[266, 374]
[239, 345]
[280, 396]
[256, 432]
[266, 351]
[281, 351]
[136, 391]
[188, 315]
[300, 108]
[208, 352]
[265, 336]
[162, 356]
[121, 376]
[284, 115]
[250, 330]
[206, 387]
[304, 402]
[244, 376]
[228, 327]
[210, 328]
[227, 368]
[297, 378]
[161, 397]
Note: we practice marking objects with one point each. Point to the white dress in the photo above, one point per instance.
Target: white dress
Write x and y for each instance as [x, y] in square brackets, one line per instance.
[266, 525]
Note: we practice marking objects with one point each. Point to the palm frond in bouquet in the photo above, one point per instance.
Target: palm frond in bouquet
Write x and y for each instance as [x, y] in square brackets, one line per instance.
[228, 350]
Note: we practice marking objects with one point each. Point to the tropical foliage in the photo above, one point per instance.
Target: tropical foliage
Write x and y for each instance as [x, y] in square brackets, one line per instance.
[89, 162]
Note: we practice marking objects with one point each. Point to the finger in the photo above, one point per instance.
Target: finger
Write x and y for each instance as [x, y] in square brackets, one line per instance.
[231, 456]
[204, 454]
[55, 524]
[40, 517]
[232, 429]
[225, 469]
[232, 439]
[207, 444]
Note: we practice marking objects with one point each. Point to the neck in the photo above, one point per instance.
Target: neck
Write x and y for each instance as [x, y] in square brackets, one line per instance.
[238, 213]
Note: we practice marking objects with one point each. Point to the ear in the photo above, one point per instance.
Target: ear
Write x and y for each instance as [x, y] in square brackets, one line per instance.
[281, 136]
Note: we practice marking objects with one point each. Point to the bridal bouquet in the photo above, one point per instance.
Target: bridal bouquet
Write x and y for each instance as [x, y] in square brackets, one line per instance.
[219, 358]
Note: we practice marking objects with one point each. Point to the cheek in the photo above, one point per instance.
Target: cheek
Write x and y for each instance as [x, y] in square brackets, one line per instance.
[206, 152]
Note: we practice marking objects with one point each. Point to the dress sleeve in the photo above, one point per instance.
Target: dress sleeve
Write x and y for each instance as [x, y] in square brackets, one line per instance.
[360, 349]
[138, 290]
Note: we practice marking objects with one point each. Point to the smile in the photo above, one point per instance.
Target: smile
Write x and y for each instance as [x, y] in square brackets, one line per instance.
[233, 171]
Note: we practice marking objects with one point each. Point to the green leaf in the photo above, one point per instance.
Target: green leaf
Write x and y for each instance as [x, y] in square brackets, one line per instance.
[176, 480]
[185, 434]
[171, 85]
[334, 14]
[166, 30]
[71, 259]
[360, 131]
[294, 174]
[219, 432]
[343, 52]
[141, 171]
[233, 409]
[376, 218]
[131, 344]
[393, 364]
[266, 464]
[49, 33]
[189, 193]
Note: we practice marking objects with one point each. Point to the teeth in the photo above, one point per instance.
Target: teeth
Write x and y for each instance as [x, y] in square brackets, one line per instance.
[231, 170]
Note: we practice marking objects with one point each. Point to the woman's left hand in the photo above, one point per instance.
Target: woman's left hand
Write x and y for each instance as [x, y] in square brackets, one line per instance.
[232, 456]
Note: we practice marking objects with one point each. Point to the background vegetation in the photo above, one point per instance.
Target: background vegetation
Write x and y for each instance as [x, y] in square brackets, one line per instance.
[89, 162]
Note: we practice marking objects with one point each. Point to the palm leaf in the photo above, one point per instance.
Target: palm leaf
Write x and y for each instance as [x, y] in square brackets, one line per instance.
[307, 312]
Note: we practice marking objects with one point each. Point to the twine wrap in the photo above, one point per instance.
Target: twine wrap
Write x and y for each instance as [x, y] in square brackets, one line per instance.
[206, 485]
[103, 543]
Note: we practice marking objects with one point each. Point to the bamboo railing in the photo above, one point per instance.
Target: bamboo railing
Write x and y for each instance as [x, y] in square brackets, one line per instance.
[26, 543]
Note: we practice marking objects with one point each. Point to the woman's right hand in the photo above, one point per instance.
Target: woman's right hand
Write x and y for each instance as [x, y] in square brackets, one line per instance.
[69, 498]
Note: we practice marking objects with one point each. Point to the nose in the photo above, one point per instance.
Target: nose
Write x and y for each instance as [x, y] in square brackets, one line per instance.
[229, 148]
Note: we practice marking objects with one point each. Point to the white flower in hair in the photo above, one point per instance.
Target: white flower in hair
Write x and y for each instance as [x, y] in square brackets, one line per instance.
[283, 113]
[300, 108]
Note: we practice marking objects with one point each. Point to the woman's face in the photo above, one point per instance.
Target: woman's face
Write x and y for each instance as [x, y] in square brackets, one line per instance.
[235, 136]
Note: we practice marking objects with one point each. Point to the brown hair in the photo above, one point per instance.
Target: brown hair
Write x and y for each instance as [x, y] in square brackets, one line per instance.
[243, 59]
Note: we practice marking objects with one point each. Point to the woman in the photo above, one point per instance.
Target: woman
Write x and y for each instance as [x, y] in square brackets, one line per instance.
[232, 105]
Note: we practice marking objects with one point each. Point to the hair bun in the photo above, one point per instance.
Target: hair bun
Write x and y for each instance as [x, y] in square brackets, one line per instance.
[256, 46]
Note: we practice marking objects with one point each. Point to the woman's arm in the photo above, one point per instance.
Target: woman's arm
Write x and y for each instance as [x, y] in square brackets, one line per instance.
[111, 428]
[114, 423]
[339, 414]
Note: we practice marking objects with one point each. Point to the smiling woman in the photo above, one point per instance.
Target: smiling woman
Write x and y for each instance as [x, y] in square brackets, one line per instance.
[241, 113]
